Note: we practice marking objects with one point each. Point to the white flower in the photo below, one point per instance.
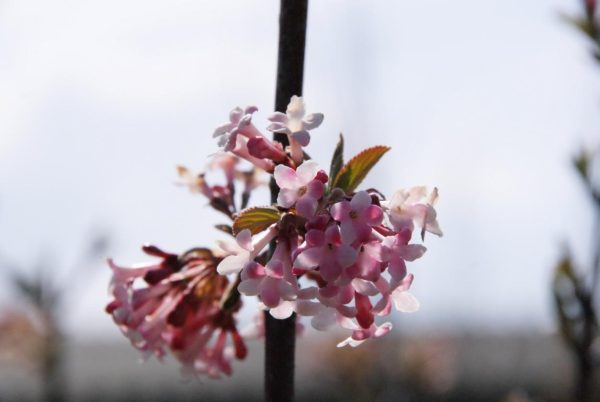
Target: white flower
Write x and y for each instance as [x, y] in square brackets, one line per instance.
[412, 207]
[295, 123]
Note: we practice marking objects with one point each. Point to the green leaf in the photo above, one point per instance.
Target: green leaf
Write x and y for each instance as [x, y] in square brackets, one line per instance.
[354, 172]
[256, 219]
[337, 161]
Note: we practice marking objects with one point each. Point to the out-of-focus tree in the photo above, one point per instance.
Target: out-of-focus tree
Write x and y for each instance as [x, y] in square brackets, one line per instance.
[574, 287]
[31, 332]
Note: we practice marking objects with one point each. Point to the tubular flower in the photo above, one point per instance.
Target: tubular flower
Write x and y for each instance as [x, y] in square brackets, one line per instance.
[240, 122]
[177, 305]
[340, 255]
[296, 124]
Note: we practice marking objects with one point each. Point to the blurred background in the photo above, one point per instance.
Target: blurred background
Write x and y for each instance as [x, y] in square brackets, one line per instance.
[487, 100]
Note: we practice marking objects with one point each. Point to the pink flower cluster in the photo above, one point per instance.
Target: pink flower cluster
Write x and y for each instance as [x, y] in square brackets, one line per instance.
[350, 252]
[178, 305]
[339, 258]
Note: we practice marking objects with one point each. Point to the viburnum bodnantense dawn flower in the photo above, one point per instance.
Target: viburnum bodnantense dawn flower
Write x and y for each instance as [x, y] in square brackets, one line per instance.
[340, 253]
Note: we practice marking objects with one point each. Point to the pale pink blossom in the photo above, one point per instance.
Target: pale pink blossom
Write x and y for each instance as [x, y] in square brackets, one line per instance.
[302, 187]
[242, 251]
[412, 207]
[296, 124]
[240, 122]
[357, 217]
[398, 295]
[274, 283]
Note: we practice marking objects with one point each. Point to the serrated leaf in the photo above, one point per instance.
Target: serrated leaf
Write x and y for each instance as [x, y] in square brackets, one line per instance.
[357, 168]
[337, 161]
[256, 219]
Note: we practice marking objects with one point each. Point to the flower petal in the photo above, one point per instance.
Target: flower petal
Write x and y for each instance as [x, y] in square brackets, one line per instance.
[309, 258]
[307, 171]
[287, 197]
[340, 210]
[295, 109]
[307, 206]
[286, 177]
[283, 311]
[360, 201]
[346, 255]
[301, 137]
[278, 117]
[405, 302]
[233, 263]
[250, 287]
[244, 239]
[312, 120]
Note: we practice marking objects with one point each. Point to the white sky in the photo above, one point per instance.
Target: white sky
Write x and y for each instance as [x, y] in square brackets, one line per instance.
[487, 100]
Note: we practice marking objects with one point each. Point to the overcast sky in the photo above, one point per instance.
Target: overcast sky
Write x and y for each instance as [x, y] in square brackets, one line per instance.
[487, 100]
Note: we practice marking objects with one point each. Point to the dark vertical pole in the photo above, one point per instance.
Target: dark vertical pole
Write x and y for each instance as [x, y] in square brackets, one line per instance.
[280, 335]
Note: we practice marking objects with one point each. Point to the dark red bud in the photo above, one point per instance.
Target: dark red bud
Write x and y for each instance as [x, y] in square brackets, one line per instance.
[322, 177]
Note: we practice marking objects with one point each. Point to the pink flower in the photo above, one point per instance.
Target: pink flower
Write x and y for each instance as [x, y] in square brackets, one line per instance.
[302, 187]
[295, 123]
[397, 295]
[178, 310]
[325, 251]
[240, 121]
[369, 262]
[243, 251]
[412, 207]
[397, 251]
[357, 217]
[332, 307]
[275, 283]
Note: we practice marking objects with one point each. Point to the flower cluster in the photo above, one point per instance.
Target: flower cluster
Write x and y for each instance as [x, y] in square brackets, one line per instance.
[339, 254]
[183, 307]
